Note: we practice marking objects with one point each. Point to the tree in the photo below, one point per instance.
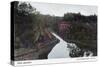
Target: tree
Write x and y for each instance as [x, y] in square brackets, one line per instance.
[24, 18]
[68, 17]
[83, 31]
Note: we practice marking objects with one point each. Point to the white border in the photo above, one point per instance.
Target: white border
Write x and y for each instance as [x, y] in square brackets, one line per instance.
[54, 61]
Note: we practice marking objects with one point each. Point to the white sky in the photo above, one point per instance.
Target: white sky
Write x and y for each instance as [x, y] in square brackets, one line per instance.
[60, 9]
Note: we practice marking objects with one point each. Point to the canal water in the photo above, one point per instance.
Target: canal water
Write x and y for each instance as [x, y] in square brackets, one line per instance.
[61, 50]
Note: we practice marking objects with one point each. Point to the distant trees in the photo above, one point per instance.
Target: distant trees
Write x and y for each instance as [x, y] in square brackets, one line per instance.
[80, 18]
[83, 31]
[69, 17]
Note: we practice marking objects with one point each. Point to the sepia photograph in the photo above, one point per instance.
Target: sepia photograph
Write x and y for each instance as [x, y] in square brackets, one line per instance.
[53, 31]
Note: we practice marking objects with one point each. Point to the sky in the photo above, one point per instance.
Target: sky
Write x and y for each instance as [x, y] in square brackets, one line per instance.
[61, 9]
